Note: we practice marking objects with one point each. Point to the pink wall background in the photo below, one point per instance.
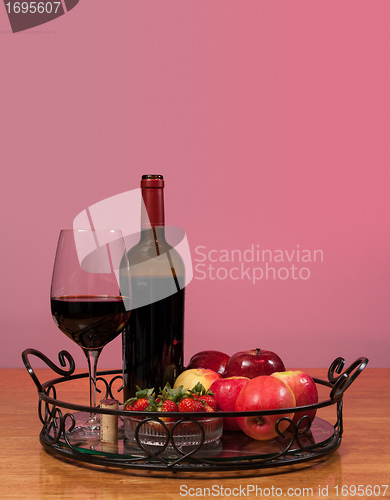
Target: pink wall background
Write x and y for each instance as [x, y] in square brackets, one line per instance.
[270, 122]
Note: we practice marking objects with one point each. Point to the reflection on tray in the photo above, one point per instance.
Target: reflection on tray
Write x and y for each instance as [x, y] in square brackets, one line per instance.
[230, 446]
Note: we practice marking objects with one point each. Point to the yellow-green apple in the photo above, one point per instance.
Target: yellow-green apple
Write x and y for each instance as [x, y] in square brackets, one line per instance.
[189, 378]
[225, 392]
[264, 393]
[213, 360]
[253, 363]
[304, 389]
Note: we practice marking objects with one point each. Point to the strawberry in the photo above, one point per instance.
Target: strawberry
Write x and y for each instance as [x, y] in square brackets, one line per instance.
[168, 399]
[206, 396]
[144, 400]
[209, 401]
[191, 404]
[168, 406]
[168, 393]
[141, 404]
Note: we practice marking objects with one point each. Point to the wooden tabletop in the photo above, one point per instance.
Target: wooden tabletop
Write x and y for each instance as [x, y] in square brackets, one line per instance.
[363, 459]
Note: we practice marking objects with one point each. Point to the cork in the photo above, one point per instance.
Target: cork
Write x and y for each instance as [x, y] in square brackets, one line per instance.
[109, 423]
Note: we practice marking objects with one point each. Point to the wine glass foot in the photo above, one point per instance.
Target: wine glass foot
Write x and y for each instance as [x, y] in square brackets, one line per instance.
[85, 432]
[84, 435]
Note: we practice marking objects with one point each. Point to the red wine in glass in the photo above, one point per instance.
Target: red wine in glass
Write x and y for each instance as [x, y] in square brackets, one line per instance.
[90, 298]
[90, 321]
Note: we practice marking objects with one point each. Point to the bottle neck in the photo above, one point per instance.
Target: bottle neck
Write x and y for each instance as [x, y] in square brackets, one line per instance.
[152, 213]
[156, 234]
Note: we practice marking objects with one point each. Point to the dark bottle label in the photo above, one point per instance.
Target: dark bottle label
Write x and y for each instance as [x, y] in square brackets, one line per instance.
[153, 338]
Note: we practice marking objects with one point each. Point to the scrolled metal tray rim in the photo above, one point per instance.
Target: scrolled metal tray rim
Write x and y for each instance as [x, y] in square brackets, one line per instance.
[51, 413]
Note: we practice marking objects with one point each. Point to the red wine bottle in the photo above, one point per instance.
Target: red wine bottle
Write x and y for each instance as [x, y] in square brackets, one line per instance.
[153, 337]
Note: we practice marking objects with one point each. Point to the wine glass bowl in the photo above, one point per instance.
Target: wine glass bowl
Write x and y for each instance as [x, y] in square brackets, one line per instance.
[90, 298]
[90, 321]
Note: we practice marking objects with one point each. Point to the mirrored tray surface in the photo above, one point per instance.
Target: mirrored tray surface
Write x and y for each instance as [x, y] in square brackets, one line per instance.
[231, 446]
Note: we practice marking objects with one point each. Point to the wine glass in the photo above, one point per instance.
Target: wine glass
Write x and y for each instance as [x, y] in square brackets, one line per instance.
[90, 298]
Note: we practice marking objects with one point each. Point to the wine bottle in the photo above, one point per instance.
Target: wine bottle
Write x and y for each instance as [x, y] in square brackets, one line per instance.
[153, 338]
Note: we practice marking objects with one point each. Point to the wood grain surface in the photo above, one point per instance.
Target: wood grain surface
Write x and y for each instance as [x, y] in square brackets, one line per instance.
[28, 471]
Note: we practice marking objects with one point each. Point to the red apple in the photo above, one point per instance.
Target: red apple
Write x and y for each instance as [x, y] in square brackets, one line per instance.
[264, 393]
[304, 389]
[213, 360]
[225, 392]
[253, 363]
[189, 378]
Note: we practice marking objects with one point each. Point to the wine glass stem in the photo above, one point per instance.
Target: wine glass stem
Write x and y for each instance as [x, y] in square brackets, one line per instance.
[92, 357]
